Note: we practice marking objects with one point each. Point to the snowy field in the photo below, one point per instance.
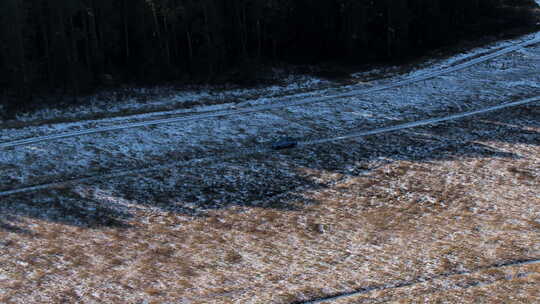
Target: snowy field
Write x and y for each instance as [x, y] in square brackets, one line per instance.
[503, 79]
[434, 202]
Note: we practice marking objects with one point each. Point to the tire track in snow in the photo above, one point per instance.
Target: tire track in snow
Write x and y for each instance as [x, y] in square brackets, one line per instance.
[250, 151]
[420, 123]
[367, 290]
[254, 109]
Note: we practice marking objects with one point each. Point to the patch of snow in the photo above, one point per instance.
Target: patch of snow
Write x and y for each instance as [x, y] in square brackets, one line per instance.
[290, 85]
[488, 83]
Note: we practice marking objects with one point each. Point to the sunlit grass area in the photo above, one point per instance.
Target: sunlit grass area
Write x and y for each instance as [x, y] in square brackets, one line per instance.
[289, 227]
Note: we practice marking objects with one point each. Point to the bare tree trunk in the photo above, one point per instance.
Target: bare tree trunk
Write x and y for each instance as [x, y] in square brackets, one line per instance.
[190, 45]
[14, 53]
[210, 50]
[74, 60]
[126, 32]
[97, 57]
[50, 75]
[167, 46]
[259, 39]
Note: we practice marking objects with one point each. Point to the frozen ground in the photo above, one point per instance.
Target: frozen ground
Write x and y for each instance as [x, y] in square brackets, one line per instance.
[507, 78]
[203, 96]
[207, 98]
[283, 227]
[293, 226]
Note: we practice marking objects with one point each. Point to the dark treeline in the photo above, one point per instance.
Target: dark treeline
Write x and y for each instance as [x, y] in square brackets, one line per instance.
[71, 46]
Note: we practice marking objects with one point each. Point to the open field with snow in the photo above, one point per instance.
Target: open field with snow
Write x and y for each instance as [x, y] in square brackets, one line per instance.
[288, 227]
[433, 207]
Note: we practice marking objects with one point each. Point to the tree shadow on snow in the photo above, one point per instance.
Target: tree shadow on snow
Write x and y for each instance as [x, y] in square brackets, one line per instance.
[74, 211]
[277, 181]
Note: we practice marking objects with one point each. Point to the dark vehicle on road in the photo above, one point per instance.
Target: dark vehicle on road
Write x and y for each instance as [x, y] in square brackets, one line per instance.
[285, 143]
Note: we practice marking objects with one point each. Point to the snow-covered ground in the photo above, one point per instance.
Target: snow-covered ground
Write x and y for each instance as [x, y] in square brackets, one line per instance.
[102, 104]
[289, 226]
[506, 78]
[207, 98]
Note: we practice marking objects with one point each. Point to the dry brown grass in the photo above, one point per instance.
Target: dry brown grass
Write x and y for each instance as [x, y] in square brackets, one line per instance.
[405, 221]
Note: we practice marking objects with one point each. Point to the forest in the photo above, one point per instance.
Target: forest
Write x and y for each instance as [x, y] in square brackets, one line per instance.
[75, 46]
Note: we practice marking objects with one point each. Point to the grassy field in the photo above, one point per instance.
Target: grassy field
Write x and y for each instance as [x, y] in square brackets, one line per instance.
[295, 226]
[435, 214]
[513, 284]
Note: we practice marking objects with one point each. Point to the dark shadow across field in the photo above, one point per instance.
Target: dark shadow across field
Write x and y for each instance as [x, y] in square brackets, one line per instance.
[275, 181]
